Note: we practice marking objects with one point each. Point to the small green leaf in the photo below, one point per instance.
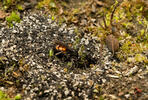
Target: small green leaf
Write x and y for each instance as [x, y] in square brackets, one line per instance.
[51, 53]
[69, 64]
[52, 5]
[19, 7]
[52, 17]
[18, 97]
[142, 32]
[8, 1]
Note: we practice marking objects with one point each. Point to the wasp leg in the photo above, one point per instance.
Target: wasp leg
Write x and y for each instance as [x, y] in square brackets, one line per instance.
[58, 53]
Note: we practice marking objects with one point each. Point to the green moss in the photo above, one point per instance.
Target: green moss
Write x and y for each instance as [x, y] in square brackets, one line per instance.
[11, 4]
[101, 98]
[125, 51]
[18, 97]
[53, 18]
[47, 4]
[142, 36]
[140, 58]
[52, 4]
[3, 96]
[69, 64]
[13, 17]
[126, 47]
[19, 7]
[7, 3]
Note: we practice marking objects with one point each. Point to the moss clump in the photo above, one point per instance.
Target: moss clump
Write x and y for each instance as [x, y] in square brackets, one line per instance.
[11, 4]
[3, 96]
[13, 17]
[47, 4]
[140, 58]
[18, 97]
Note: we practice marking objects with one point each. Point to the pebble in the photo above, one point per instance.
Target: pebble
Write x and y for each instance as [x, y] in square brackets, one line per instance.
[66, 92]
[132, 71]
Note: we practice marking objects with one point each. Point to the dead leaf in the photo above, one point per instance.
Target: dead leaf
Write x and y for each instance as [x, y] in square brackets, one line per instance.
[16, 74]
[60, 11]
[3, 14]
[112, 43]
[100, 3]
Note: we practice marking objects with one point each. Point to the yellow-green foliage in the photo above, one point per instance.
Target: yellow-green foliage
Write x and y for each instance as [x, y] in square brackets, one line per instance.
[19, 7]
[126, 47]
[9, 3]
[143, 36]
[138, 58]
[13, 17]
[18, 97]
[129, 20]
[133, 49]
[51, 53]
[3, 96]
[50, 4]
[129, 17]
